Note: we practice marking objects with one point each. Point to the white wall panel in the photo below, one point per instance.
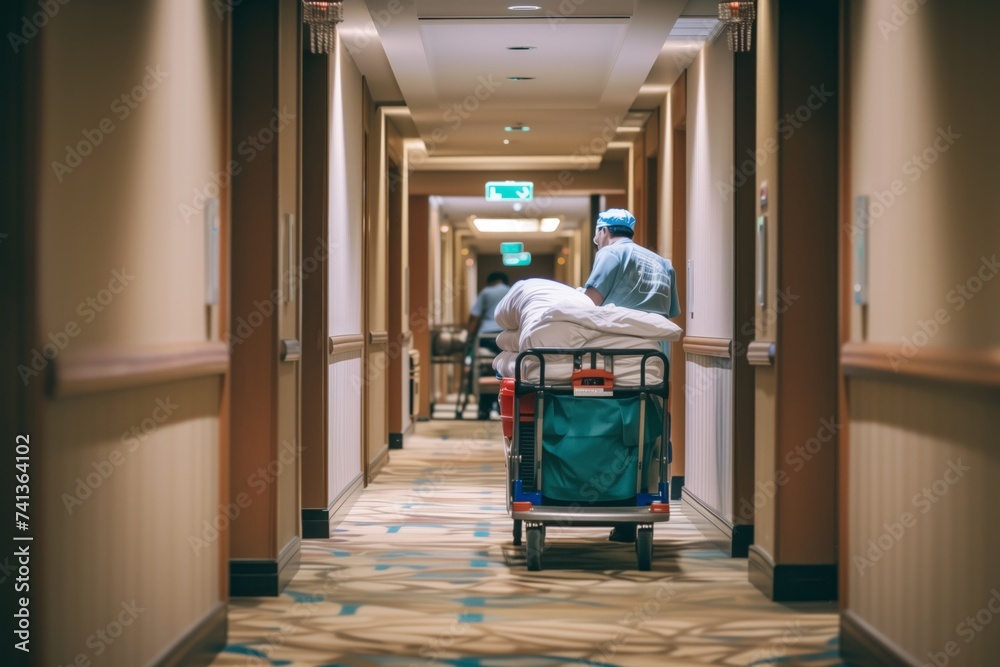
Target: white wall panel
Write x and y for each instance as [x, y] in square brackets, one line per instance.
[345, 423]
[708, 401]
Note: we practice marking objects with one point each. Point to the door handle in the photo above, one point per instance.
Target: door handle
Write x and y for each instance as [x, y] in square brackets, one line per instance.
[291, 350]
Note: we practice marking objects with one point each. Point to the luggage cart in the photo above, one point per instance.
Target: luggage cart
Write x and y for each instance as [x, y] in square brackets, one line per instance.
[478, 378]
[542, 493]
[448, 346]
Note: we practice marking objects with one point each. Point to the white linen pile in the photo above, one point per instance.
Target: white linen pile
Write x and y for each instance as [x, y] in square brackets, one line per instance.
[544, 313]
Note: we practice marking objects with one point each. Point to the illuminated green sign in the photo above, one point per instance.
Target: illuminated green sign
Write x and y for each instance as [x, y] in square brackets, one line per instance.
[509, 190]
[517, 259]
[508, 248]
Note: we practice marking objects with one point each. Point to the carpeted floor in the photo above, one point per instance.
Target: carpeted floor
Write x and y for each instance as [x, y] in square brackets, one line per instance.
[422, 572]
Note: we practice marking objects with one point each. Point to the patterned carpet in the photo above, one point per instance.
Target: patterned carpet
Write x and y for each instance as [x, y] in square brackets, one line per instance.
[422, 572]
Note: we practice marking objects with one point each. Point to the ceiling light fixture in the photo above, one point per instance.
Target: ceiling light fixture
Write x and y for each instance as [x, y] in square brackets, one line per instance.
[695, 29]
[738, 17]
[506, 141]
[322, 17]
[520, 78]
[521, 48]
[516, 225]
[517, 128]
[524, 8]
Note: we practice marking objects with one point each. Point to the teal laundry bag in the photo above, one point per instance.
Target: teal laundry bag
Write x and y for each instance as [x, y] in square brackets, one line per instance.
[590, 447]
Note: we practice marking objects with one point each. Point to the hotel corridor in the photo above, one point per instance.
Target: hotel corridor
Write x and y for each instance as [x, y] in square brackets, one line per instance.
[422, 571]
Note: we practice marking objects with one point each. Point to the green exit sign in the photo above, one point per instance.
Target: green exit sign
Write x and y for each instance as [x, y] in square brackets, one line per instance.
[512, 247]
[509, 190]
[517, 259]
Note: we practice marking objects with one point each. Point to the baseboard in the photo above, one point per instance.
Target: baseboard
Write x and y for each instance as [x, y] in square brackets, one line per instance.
[791, 583]
[200, 644]
[377, 463]
[676, 484]
[864, 646]
[318, 524]
[257, 578]
[395, 441]
[732, 540]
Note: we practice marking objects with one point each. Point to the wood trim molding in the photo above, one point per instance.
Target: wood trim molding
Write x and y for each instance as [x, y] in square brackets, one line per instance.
[729, 538]
[791, 582]
[340, 345]
[709, 347]
[761, 353]
[109, 369]
[865, 646]
[319, 523]
[378, 337]
[200, 644]
[265, 577]
[378, 462]
[977, 367]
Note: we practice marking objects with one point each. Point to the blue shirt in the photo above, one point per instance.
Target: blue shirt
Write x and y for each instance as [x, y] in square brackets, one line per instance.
[486, 305]
[630, 276]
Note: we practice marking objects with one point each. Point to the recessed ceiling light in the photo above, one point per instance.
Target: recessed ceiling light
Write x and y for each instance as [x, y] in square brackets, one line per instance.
[517, 128]
[524, 8]
[520, 78]
[521, 48]
[696, 29]
[506, 141]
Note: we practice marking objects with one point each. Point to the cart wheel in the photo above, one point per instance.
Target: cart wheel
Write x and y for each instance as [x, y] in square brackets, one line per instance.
[517, 532]
[644, 548]
[536, 542]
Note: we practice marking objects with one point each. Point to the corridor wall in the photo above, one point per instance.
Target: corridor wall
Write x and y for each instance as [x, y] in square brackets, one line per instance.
[346, 286]
[921, 550]
[132, 142]
[708, 316]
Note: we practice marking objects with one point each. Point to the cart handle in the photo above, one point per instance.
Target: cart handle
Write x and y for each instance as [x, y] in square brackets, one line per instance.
[539, 353]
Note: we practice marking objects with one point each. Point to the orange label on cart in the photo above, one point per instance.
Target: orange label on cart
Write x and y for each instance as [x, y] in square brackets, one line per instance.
[593, 382]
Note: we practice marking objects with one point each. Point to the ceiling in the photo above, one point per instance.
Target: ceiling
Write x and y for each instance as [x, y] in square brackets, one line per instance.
[445, 65]
[597, 69]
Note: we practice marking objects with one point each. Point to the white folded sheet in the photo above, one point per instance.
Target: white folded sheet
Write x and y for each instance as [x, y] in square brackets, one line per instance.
[540, 313]
[559, 368]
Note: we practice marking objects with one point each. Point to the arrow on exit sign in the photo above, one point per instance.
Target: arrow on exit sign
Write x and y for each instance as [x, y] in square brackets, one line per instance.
[509, 190]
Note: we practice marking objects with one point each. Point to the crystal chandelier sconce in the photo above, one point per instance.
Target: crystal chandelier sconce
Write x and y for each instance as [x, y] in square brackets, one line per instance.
[322, 17]
[738, 18]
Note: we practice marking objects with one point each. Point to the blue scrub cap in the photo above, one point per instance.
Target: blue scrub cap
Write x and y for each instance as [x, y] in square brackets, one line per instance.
[616, 217]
